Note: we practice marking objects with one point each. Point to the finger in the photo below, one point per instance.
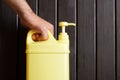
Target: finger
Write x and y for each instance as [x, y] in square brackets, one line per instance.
[49, 26]
[36, 36]
[39, 37]
[44, 36]
[41, 34]
[51, 29]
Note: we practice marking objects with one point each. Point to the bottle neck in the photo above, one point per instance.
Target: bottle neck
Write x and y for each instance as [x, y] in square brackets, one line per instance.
[63, 29]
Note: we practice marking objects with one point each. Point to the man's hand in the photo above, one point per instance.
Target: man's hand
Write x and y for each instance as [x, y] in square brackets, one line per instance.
[38, 24]
[30, 20]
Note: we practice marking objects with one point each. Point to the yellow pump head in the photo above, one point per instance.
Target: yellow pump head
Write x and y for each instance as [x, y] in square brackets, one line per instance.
[64, 24]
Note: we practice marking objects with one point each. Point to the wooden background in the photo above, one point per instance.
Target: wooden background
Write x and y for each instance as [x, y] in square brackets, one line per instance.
[94, 43]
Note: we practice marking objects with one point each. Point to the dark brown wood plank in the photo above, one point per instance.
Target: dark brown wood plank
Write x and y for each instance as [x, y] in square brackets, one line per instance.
[86, 40]
[67, 12]
[118, 39]
[22, 33]
[106, 40]
[8, 43]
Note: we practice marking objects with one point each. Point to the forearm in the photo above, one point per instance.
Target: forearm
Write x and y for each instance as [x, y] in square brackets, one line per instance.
[19, 6]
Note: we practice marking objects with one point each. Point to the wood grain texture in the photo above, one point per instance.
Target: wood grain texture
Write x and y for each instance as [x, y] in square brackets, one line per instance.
[8, 43]
[86, 44]
[118, 38]
[22, 33]
[67, 12]
[46, 10]
[106, 40]
[93, 43]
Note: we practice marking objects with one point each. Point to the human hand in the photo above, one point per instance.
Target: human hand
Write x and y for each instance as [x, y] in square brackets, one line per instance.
[34, 22]
[30, 20]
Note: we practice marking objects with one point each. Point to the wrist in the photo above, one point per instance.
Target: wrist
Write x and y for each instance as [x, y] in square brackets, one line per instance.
[24, 10]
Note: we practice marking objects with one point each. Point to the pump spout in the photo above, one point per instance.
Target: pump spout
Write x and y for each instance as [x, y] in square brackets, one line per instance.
[63, 25]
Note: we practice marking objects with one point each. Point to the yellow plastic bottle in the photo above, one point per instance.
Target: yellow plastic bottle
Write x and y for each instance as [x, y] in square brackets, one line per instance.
[48, 60]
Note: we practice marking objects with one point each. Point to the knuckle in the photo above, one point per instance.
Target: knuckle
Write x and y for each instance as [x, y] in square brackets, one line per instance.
[51, 27]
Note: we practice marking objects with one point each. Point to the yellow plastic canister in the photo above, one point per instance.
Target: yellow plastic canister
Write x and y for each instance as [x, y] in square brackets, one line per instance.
[48, 60]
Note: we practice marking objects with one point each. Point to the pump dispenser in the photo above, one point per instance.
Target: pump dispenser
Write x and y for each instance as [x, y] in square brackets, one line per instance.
[48, 60]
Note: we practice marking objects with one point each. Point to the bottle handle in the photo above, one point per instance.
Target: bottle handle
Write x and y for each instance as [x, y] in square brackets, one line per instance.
[30, 40]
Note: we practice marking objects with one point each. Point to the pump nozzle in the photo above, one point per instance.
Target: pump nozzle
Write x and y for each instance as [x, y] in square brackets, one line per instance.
[63, 36]
[64, 24]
